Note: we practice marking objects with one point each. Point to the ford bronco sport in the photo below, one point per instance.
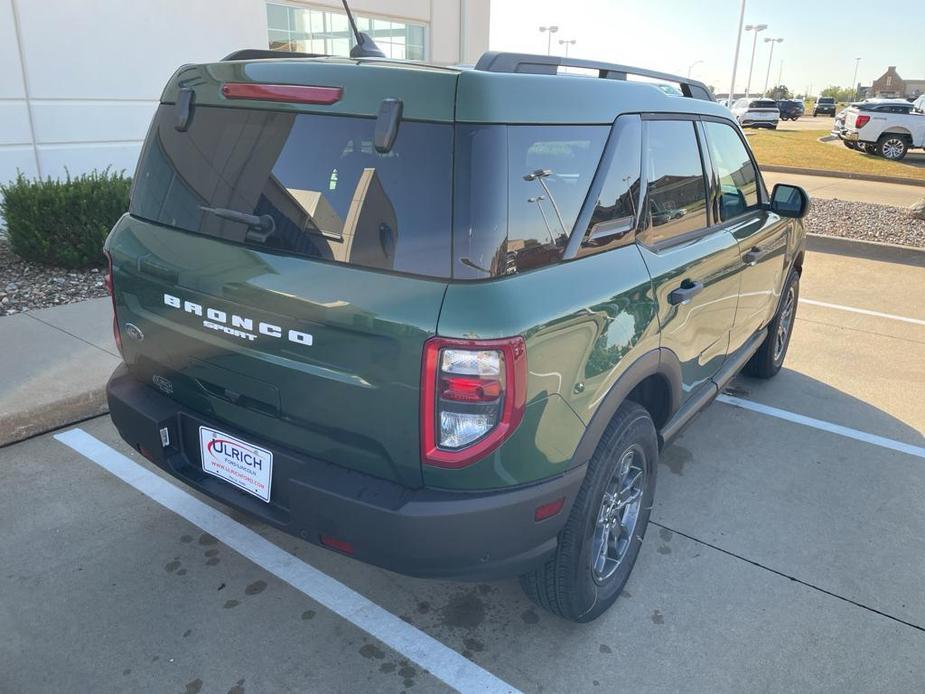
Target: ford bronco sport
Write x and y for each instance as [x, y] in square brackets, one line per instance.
[439, 319]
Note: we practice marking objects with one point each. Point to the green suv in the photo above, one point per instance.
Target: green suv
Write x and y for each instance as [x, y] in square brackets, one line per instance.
[443, 320]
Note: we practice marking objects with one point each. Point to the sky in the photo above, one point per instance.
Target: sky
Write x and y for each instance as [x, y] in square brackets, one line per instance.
[821, 39]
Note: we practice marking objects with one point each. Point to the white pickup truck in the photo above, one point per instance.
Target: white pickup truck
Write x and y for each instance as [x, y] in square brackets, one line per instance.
[884, 129]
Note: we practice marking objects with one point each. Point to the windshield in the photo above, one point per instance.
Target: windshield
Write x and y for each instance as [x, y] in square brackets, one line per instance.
[315, 183]
[827, 100]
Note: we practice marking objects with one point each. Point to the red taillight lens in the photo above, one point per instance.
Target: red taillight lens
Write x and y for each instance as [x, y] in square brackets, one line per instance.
[548, 510]
[292, 93]
[110, 288]
[861, 121]
[472, 398]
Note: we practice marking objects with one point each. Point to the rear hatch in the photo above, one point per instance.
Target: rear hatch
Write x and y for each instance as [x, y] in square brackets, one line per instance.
[284, 273]
[763, 109]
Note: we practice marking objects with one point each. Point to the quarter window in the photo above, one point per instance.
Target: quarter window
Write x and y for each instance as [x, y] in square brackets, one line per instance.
[677, 193]
[738, 178]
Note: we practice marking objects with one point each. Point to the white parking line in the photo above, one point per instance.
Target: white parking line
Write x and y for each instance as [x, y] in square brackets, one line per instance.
[439, 660]
[848, 432]
[864, 311]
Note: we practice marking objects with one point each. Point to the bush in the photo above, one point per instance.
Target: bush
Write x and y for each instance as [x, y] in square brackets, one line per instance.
[65, 222]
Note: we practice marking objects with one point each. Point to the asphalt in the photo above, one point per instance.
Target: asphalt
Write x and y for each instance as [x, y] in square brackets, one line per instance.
[780, 557]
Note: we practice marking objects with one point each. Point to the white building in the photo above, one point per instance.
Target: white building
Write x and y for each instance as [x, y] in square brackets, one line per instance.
[80, 80]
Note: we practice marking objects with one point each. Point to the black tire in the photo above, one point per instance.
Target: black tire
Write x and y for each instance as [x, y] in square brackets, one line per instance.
[567, 584]
[892, 146]
[850, 144]
[767, 361]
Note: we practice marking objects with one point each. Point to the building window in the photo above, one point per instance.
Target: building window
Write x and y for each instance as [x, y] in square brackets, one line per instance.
[327, 32]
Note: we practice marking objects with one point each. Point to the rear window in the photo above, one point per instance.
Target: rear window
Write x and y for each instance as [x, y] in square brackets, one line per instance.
[329, 194]
[827, 100]
[763, 103]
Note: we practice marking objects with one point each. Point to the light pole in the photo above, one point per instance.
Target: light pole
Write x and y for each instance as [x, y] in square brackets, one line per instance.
[854, 82]
[692, 66]
[756, 28]
[550, 30]
[735, 61]
[780, 72]
[566, 43]
[770, 58]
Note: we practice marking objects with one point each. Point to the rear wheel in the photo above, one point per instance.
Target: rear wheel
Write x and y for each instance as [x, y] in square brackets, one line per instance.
[893, 147]
[849, 144]
[767, 361]
[600, 542]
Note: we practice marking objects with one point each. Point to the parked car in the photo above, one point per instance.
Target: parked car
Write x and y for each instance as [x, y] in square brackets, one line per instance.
[756, 113]
[887, 127]
[824, 105]
[443, 320]
[790, 109]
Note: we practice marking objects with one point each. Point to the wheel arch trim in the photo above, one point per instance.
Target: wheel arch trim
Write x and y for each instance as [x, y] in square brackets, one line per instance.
[658, 362]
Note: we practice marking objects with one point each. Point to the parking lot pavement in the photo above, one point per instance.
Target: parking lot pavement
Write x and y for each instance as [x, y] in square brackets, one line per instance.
[781, 557]
[830, 187]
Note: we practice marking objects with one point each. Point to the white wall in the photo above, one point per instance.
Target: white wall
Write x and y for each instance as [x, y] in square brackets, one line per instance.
[92, 71]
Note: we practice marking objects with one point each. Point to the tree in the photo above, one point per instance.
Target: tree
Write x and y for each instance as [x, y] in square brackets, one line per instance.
[780, 92]
[840, 93]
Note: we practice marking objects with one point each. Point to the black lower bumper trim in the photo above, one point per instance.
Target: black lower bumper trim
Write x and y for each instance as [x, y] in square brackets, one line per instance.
[419, 532]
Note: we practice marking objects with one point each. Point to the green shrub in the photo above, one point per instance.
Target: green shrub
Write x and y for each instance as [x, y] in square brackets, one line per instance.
[65, 222]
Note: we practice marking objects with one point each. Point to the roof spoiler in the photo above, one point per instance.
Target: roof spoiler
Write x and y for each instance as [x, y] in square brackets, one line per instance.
[267, 54]
[526, 63]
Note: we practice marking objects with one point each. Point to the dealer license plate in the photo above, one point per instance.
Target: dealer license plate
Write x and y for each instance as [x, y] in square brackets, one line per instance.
[243, 464]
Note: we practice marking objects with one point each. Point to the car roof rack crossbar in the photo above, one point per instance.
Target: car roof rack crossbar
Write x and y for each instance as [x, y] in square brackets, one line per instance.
[526, 63]
[267, 54]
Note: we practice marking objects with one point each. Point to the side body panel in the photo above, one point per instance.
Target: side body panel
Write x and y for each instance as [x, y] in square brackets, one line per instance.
[585, 322]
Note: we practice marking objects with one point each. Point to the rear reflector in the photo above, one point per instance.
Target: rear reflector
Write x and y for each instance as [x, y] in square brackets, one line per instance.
[291, 93]
[334, 543]
[548, 510]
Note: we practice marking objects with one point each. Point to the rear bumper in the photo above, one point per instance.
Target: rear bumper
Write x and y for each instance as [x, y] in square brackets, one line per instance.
[419, 532]
[747, 122]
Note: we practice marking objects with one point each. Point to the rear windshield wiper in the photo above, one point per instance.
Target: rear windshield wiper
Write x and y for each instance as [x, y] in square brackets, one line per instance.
[259, 229]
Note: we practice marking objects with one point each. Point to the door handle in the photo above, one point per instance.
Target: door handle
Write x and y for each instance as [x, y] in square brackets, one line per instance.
[754, 255]
[687, 291]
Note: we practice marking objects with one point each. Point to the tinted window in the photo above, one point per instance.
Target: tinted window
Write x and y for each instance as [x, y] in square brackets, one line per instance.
[319, 179]
[737, 176]
[615, 213]
[518, 192]
[763, 103]
[676, 200]
[827, 100]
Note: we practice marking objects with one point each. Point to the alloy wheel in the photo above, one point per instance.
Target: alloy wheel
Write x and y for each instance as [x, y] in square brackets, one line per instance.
[618, 515]
[784, 324]
[893, 148]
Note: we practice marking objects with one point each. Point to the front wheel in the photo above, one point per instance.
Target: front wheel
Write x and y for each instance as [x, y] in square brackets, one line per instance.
[892, 147]
[767, 361]
[600, 541]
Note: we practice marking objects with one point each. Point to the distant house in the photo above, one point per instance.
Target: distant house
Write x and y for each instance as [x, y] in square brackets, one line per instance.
[891, 85]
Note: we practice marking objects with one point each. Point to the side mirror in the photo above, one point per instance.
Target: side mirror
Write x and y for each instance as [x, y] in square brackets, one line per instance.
[789, 201]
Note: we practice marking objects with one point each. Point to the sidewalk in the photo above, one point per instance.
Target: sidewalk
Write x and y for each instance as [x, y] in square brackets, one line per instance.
[55, 365]
[851, 190]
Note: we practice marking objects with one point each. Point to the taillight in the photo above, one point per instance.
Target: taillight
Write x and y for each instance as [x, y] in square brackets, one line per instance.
[292, 93]
[110, 288]
[861, 121]
[472, 398]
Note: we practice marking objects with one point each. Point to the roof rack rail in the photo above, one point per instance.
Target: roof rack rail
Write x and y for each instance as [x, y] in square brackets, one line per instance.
[493, 61]
[267, 54]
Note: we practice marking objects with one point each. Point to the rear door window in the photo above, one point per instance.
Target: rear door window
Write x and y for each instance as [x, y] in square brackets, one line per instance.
[676, 202]
[328, 192]
[738, 177]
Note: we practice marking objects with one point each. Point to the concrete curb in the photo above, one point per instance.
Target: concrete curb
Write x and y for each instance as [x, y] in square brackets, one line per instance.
[869, 250]
[901, 180]
[50, 416]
